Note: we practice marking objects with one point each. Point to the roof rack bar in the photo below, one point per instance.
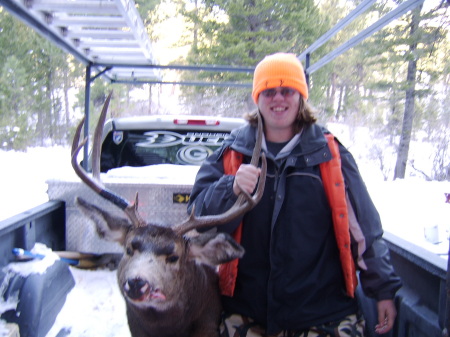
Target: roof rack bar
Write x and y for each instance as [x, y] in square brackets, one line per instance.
[195, 83]
[361, 8]
[81, 25]
[392, 15]
[22, 14]
[131, 15]
[80, 6]
[61, 20]
[215, 68]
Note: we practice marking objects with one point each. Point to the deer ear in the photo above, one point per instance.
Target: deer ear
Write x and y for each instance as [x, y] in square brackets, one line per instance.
[109, 227]
[214, 248]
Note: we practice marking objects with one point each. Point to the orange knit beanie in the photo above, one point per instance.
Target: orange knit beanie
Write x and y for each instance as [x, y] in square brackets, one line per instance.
[279, 70]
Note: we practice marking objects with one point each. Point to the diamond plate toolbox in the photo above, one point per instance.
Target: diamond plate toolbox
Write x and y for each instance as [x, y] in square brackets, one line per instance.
[163, 204]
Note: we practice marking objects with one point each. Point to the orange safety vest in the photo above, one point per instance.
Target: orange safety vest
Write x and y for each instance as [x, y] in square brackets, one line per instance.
[334, 186]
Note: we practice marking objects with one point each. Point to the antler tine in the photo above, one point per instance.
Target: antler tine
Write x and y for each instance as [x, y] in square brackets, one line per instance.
[76, 147]
[97, 143]
[130, 209]
[243, 204]
[76, 137]
[258, 143]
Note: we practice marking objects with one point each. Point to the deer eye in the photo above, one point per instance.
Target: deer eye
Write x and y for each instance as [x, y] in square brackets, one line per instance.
[172, 258]
[129, 251]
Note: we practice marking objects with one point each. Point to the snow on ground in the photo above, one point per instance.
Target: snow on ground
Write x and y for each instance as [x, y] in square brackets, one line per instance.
[93, 308]
[23, 177]
[409, 208]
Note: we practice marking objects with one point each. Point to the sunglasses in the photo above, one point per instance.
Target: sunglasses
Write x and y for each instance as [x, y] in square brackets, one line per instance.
[285, 92]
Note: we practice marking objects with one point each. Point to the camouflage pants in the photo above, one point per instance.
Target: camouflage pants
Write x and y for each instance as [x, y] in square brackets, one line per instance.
[239, 326]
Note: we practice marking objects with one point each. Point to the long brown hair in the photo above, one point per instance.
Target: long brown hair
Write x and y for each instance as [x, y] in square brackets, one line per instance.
[305, 116]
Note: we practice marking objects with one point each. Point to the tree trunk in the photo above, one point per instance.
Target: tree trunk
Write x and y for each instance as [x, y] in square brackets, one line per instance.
[195, 38]
[341, 97]
[408, 117]
[63, 137]
[332, 91]
[66, 99]
[52, 115]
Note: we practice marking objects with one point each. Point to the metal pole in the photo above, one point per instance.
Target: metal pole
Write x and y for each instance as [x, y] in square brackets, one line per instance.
[356, 13]
[369, 31]
[87, 99]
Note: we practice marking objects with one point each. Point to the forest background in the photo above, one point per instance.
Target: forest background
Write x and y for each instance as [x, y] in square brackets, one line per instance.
[395, 84]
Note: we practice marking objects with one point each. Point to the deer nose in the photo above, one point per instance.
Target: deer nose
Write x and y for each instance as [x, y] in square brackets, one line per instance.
[135, 288]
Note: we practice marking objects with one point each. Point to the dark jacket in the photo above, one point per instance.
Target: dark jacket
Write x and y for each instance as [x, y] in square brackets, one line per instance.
[290, 276]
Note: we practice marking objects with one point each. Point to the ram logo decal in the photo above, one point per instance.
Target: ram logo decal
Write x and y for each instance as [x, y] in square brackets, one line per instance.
[181, 198]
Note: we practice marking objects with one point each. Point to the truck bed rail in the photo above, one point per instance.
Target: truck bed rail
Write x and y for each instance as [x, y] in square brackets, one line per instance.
[421, 302]
[44, 223]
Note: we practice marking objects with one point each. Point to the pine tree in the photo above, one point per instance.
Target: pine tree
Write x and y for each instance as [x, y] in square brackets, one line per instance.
[241, 33]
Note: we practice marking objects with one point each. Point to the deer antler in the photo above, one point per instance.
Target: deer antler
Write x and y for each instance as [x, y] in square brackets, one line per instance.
[243, 204]
[130, 209]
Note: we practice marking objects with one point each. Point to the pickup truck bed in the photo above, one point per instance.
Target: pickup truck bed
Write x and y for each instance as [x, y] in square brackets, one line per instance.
[421, 303]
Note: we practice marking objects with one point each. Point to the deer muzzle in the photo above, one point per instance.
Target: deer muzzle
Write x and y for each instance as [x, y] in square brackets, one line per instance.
[139, 290]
